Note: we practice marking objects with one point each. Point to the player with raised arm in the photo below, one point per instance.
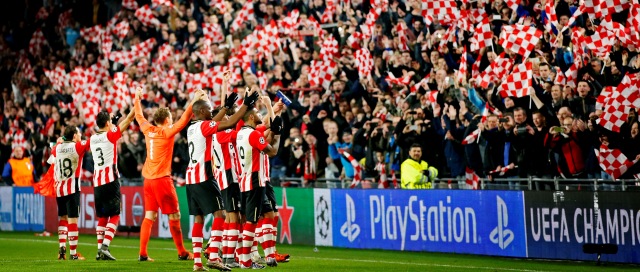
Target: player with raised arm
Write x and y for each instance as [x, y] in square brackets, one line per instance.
[67, 159]
[203, 192]
[159, 191]
[105, 179]
[252, 148]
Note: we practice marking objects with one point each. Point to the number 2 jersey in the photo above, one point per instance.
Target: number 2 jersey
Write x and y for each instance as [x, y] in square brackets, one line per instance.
[105, 156]
[225, 159]
[67, 160]
[199, 138]
[254, 163]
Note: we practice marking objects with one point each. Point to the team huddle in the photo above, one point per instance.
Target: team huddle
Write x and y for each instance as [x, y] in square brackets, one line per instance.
[227, 176]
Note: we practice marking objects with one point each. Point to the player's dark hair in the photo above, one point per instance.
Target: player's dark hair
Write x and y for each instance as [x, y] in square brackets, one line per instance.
[416, 145]
[217, 110]
[161, 115]
[69, 132]
[102, 119]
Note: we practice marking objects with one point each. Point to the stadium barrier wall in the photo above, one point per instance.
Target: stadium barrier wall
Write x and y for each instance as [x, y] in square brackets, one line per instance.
[21, 209]
[549, 225]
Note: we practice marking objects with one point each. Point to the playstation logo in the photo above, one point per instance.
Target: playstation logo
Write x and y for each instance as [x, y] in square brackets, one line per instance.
[501, 235]
[350, 229]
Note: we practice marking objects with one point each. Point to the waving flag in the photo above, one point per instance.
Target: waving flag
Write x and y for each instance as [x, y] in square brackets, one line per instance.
[613, 161]
[520, 39]
[518, 82]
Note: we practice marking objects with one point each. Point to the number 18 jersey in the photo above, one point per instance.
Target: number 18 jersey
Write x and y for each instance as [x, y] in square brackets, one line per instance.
[67, 160]
[105, 157]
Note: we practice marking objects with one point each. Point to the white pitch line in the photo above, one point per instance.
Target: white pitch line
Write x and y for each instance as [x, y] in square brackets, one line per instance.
[301, 257]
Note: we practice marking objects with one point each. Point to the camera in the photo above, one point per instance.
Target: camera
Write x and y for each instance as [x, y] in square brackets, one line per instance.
[504, 120]
[522, 130]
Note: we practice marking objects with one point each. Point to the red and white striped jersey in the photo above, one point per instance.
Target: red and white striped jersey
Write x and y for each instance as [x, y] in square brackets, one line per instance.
[199, 138]
[105, 156]
[253, 162]
[67, 160]
[224, 157]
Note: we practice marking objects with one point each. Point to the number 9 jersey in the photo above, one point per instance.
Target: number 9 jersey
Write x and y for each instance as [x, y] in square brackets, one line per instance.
[67, 160]
[105, 157]
[254, 164]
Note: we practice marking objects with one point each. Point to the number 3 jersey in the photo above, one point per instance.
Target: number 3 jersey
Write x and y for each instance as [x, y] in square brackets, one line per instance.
[105, 156]
[199, 138]
[254, 164]
[67, 160]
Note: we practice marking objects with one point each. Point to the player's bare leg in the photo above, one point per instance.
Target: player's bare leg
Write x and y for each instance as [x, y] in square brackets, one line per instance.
[145, 234]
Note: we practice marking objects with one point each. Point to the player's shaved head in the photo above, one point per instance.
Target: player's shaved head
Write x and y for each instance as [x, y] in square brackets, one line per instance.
[248, 114]
[102, 119]
[161, 115]
[202, 110]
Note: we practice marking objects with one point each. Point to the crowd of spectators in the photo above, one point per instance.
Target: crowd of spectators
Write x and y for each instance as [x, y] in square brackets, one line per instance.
[552, 132]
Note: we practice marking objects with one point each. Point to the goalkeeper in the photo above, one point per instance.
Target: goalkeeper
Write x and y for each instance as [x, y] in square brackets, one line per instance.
[416, 173]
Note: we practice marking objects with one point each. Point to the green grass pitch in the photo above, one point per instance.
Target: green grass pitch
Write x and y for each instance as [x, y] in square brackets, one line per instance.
[25, 252]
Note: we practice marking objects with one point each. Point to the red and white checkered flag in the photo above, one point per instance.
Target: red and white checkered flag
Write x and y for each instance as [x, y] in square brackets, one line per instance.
[461, 73]
[560, 79]
[354, 40]
[600, 42]
[245, 14]
[167, 3]
[512, 4]
[472, 137]
[91, 34]
[121, 30]
[629, 91]
[357, 169]
[58, 77]
[213, 32]
[269, 39]
[329, 11]
[613, 161]
[572, 74]
[164, 52]
[484, 35]
[329, 48]
[500, 67]
[90, 110]
[99, 70]
[130, 4]
[518, 82]
[263, 80]
[118, 96]
[488, 110]
[37, 42]
[614, 114]
[471, 178]
[64, 18]
[627, 36]
[404, 80]
[382, 171]
[633, 21]
[550, 10]
[290, 23]
[25, 66]
[140, 50]
[220, 5]
[364, 61]
[146, 17]
[519, 38]
[601, 8]
[439, 7]
[322, 73]
[402, 30]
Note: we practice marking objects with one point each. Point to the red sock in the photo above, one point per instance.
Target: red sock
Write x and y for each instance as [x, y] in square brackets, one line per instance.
[100, 228]
[225, 239]
[62, 232]
[110, 230]
[216, 238]
[176, 233]
[232, 240]
[196, 240]
[145, 233]
[73, 238]
[247, 242]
